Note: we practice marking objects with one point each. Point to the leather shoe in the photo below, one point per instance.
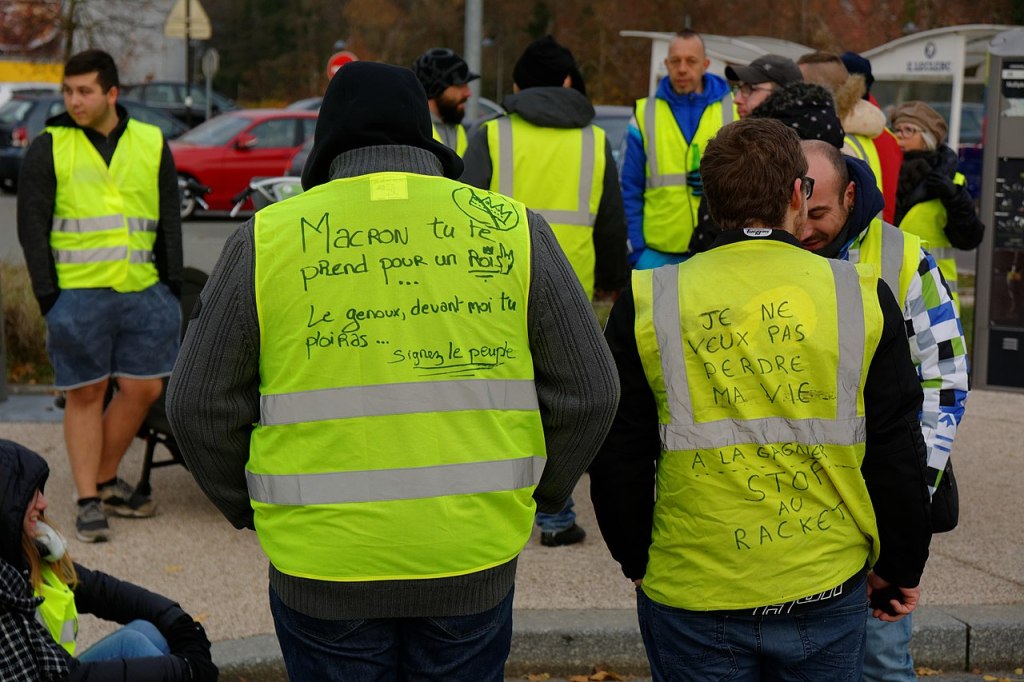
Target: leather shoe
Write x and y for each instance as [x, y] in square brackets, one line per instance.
[569, 536]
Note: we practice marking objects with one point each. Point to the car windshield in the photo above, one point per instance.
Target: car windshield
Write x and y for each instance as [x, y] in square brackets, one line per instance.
[216, 131]
[15, 110]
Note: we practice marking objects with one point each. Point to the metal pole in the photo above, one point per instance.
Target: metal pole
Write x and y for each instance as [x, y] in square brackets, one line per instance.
[471, 51]
[188, 63]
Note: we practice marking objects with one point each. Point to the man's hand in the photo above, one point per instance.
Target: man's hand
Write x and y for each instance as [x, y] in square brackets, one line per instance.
[890, 603]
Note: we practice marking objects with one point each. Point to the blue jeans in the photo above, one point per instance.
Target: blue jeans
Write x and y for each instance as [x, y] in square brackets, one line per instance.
[92, 334]
[470, 647]
[556, 523]
[138, 639]
[826, 643]
[887, 652]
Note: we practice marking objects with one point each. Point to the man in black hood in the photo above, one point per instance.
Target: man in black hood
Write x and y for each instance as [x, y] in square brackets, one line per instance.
[385, 377]
[547, 154]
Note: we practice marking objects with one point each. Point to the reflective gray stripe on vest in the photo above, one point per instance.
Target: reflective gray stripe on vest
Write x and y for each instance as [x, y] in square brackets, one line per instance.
[68, 629]
[98, 224]
[390, 399]
[582, 215]
[682, 433]
[141, 225]
[854, 142]
[79, 256]
[892, 257]
[146, 256]
[395, 484]
[655, 179]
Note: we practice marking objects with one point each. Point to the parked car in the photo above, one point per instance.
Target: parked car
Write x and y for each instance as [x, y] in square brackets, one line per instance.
[307, 104]
[9, 90]
[25, 116]
[227, 151]
[169, 96]
[615, 120]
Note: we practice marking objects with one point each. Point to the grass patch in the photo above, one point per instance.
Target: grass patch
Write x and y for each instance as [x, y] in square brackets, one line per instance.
[24, 328]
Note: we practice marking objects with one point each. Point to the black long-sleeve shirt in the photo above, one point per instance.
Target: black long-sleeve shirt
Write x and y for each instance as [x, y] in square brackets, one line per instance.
[37, 195]
[622, 475]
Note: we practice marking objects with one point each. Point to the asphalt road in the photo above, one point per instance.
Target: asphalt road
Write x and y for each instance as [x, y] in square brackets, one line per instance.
[203, 238]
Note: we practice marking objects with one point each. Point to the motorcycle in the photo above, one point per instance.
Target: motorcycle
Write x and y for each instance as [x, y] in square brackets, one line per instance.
[192, 192]
[266, 191]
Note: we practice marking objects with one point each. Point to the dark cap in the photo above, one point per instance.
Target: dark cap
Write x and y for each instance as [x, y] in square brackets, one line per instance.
[438, 68]
[808, 109]
[544, 63]
[857, 64]
[772, 68]
[368, 104]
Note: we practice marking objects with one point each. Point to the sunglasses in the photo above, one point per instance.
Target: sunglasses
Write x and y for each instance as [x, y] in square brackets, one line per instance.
[746, 89]
[807, 185]
[906, 131]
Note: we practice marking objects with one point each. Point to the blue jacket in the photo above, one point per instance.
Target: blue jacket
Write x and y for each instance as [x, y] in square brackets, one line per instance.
[687, 110]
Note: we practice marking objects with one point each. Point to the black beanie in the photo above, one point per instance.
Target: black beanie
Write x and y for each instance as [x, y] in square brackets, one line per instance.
[369, 104]
[808, 109]
[545, 63]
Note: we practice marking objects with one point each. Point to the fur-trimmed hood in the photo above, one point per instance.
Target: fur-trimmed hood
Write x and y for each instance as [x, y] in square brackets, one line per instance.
[859, 116]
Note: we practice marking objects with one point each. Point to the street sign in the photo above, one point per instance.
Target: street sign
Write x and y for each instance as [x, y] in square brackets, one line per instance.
[338, 60]
[210, 63]
[197, 26]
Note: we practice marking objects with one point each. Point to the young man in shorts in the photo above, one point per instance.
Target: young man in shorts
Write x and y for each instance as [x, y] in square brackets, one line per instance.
[99, 224]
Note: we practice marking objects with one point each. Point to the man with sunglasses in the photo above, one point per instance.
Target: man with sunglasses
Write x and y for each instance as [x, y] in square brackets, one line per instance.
[755, 83]
[446, 78]
[772, 408]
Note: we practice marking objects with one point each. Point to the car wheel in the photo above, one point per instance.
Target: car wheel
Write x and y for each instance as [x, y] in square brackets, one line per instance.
[188, 197]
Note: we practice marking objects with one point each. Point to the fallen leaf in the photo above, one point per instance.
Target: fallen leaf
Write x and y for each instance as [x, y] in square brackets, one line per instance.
[174, 568]
[990, 678]
[538, 677]
[927, 672]
[602, 675]
[579, 678]
[200, 617]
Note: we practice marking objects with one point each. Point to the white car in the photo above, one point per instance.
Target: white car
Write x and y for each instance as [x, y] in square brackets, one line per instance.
[7, 90]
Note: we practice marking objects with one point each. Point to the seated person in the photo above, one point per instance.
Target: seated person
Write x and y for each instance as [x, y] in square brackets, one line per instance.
[42, 591]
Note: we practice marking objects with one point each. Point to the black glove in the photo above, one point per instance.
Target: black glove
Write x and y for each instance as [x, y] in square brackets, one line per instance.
[694, 182]
[940, 186]
[200, 669]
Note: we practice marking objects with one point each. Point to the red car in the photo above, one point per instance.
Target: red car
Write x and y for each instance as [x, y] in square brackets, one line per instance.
[229, 150]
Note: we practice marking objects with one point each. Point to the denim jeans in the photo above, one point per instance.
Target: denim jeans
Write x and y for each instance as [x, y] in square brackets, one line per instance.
[826, 643]
[556, 523]
[138, 639]
[470, 647]
[887, 652]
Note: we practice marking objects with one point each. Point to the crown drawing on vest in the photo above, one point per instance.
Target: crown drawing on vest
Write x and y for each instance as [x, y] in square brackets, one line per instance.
[491, 210]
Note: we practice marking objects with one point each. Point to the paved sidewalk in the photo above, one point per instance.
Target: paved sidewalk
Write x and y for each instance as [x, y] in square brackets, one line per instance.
[573, 607]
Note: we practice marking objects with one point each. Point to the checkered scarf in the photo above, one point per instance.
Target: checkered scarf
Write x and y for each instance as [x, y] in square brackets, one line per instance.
[29, 652]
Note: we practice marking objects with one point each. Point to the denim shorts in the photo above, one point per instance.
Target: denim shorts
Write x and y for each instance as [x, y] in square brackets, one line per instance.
[92, 334]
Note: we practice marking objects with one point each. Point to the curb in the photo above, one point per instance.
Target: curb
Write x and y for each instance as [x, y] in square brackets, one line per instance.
[564, 642]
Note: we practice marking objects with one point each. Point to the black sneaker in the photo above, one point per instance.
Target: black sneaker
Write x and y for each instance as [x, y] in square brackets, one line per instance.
[569, 536]
[91, 524]
[120, 499]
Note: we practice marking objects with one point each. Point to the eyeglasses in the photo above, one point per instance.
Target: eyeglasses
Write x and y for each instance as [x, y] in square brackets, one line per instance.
[906, 131]
[746, 89]
[807, 185]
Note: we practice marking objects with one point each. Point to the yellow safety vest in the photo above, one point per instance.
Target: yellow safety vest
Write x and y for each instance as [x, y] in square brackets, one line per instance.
[759, 387]
[461, 142]
[863, 148]
[557, 172]
[895, 254]
[58, 611]
[927, 220]
[670, 208]
[105, 218]
[399, 433]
